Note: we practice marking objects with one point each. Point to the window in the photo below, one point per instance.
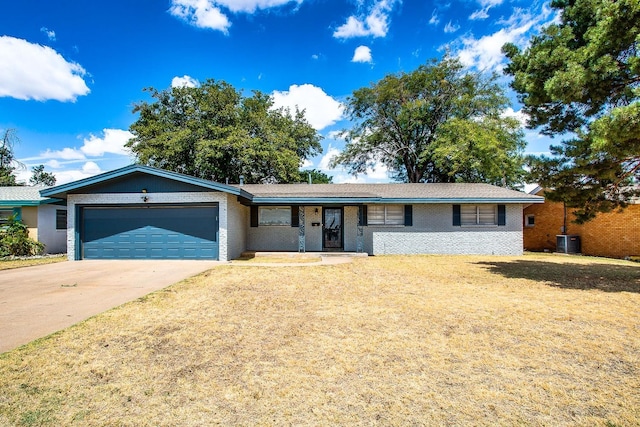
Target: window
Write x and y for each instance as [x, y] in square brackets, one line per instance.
[274, 215]
[5, 214]
[478, 215]
[529, 221]
[61, 219]
[385, 215]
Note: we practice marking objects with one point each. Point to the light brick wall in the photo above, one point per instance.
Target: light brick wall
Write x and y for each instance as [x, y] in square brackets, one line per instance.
[433, 233]
[154, 198]
[237, 220]
[272, 238]
[613, 234]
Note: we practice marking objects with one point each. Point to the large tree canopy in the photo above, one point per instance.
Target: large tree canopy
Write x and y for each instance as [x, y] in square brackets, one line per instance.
[581, 76]
[435, 124]
[214, 132]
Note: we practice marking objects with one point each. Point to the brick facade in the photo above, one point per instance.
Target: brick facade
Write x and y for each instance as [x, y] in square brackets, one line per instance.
[614, 234]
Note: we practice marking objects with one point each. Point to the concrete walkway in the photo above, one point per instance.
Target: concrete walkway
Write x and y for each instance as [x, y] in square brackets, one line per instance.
[37, 301]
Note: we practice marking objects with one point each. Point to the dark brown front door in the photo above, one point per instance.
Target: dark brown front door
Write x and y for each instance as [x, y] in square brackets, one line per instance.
[332, 228]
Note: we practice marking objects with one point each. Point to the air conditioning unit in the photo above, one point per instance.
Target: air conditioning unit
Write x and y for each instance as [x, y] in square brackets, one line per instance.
[568, 243]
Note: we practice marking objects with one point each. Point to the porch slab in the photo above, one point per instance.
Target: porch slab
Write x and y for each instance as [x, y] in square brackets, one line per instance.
[259, 254]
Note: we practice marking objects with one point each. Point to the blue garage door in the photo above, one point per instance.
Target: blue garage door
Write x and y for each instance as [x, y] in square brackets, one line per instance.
[150, 232]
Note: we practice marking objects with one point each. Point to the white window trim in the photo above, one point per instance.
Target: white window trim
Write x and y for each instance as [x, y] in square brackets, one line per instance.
[285, 223]
[386, 219]
[477, 217]
[526, 220]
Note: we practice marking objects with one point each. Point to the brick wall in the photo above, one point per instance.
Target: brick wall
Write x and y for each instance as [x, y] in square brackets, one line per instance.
[433, 232]
[613, 234]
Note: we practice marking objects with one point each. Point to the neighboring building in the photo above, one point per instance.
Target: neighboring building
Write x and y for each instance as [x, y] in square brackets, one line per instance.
[614, 234]
[45, 217]
[143, 212]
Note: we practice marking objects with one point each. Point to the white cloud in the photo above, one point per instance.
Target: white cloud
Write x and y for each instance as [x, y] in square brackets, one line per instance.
[379, 173]
[519, 115]
[49, 33]
[362, 54]
[184, 81]
[89, 169]
[321, 110]
[54, 164]
[250, 6]
[31, 71]
[375, 24]
[209, 14]
[113, 142]
[479, 14]
[201, 14]
[451, 27]
[64, 154]
[485, 53]
[434, 20]
[323, 165]
[490, 3]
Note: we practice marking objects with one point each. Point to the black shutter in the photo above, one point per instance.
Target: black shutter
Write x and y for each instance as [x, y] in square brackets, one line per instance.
[408, 215]
[254, 216]
[502, 215]
[362, 215]
[456, 216]
[295, 216]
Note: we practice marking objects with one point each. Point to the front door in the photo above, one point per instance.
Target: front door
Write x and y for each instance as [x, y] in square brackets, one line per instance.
[332, 228]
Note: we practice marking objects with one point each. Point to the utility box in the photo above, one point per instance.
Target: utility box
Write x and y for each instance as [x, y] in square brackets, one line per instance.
[568, 243]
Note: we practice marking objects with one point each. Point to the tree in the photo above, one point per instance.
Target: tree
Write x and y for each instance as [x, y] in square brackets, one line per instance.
[317, 177]
[580, 78]
[214, 132]
[15, 240]
[7, 158]
[435, 124]
[40, 177]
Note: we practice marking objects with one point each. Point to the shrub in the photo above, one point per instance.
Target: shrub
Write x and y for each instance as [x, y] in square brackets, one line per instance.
[15, 240]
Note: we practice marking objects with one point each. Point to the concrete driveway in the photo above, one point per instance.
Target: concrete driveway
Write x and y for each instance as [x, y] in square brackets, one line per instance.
[37, 301]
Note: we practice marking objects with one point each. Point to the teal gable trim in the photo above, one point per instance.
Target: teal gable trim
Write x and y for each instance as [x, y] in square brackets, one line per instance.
[12, 203]
[61, 191]
[76, 233]
[378, 200]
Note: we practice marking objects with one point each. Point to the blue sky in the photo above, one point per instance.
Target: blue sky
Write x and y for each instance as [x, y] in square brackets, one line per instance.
[71, 70]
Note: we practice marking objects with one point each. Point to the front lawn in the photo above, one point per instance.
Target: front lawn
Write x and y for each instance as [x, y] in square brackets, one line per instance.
[419, 340]
[9, 263]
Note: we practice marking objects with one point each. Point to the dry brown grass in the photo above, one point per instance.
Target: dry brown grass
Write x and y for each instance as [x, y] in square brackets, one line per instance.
[7, 264]
[422, 340]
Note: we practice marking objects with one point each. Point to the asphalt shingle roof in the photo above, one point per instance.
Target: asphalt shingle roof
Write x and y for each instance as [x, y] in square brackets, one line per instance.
[21, 194]
[387, 191]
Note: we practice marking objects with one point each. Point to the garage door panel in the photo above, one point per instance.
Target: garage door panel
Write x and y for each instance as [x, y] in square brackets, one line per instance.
[164, 232]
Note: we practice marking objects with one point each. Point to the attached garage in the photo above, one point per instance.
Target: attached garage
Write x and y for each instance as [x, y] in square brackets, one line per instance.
[140, 212]
[149, 232]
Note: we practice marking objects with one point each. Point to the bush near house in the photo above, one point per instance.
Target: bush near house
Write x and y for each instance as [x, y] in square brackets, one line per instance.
[15, 240]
